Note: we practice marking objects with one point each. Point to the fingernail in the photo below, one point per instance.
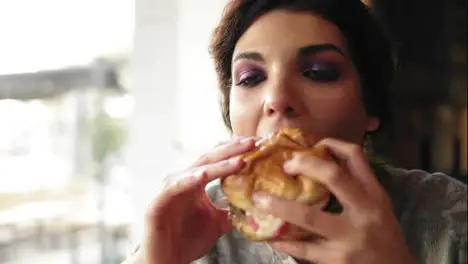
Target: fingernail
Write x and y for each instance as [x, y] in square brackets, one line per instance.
[229, 162]
[260, 141]
[199, 173]
[234, 160]
[246, 140]
[261, 201]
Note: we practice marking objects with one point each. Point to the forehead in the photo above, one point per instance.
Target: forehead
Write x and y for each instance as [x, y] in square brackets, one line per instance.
[286, 31]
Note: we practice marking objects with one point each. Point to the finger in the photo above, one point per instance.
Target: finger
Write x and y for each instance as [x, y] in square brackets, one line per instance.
[260, 141]
[225, 151]
[224, 142]
[196, 179]
[314, 252]
[201, 176]
[309, 217]
[346, 189]
[355, 159]
[223, 216]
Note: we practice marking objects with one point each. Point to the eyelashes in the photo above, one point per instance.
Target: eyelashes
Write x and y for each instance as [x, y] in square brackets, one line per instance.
[322, 72]
[251, 78]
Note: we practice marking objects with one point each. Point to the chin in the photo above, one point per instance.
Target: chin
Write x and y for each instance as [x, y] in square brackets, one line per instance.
[264, 173]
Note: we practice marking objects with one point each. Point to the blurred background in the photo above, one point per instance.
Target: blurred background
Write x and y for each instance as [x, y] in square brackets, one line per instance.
[99, 99]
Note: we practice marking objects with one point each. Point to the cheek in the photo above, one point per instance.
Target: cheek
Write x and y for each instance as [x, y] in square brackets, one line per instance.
[339, 113]
[340, 104]
[245, 111]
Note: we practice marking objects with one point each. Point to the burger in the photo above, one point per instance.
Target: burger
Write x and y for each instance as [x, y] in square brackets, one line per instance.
[264, 173]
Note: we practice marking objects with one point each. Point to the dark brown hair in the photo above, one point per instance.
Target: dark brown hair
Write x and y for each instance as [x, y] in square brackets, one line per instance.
[369, 46]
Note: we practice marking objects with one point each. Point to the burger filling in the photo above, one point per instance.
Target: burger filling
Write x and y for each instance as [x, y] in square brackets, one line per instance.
[265, 226]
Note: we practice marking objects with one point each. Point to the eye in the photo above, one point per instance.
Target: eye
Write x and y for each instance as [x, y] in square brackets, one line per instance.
[251, 79]
[322, 72]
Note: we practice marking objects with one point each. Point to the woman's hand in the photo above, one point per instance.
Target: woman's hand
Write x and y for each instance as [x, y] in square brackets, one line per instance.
[366, 232]
[182, 224]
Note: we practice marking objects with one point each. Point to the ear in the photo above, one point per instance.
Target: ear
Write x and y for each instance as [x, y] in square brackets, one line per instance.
[372, 124]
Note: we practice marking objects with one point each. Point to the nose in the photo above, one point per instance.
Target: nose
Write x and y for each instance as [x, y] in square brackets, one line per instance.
[281, 99]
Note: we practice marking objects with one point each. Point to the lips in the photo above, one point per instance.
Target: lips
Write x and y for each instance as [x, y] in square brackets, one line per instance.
[265, 135]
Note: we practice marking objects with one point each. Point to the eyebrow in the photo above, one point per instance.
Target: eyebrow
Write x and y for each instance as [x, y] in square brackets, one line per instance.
[318, 48]
[303, 52]
[255, 56]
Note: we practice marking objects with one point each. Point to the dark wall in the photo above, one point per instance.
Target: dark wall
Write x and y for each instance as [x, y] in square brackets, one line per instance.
[429, 96]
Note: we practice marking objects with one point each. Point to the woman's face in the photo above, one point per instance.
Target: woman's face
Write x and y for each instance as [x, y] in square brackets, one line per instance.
[294, 70]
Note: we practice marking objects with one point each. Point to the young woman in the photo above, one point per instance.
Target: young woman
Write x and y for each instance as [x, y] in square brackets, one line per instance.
[322, 66]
